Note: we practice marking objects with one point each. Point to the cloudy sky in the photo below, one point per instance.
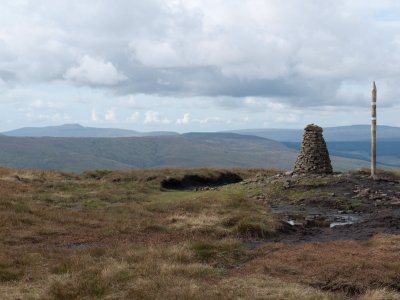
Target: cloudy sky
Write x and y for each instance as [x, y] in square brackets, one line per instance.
[200, 65]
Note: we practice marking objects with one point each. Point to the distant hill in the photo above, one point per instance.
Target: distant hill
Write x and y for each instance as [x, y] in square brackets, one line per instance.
[72, 147]
[353, 142]
[158, 133]
[333, 134]
[388, 152]
[227, 135]
[188, 150]
[76, 130]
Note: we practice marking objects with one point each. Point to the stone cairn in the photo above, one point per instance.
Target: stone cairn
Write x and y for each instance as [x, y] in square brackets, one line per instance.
[314, 155]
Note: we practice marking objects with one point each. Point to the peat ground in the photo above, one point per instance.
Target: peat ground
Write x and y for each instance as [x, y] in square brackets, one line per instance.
[349, 206]
[195, 234]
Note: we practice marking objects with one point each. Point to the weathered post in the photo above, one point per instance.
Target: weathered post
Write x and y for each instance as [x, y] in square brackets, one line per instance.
[373, 131]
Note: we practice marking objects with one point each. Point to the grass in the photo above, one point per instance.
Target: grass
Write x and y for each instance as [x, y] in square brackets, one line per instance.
[298, 190]
[346, 266]
[379, 172]
[227, 253]
[120, 235]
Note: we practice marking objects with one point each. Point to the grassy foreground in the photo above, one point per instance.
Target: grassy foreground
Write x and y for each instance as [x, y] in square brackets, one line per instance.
[119, 235]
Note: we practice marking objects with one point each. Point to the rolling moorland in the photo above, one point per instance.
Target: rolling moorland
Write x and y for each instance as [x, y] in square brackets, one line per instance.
[75, 148]
[187, 150]
[199, 234]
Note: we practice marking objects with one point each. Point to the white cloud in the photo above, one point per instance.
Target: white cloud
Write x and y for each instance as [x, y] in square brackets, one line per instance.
[110, 115]
[210, 120]
[94, 71]
[134, 117]
[288, 118]
[276, 106]
[272, 40]
[95, 116]
[41, 104]
[130, 102]
[184, 120]
[57, 117]
[37, 104]
[43, 117]
[154, 117]
[264, 57]
[253, 104]
[156, 54]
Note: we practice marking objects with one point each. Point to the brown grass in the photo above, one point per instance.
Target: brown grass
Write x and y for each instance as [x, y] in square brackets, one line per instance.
[172, 272]
[118, 235]
[345, 266]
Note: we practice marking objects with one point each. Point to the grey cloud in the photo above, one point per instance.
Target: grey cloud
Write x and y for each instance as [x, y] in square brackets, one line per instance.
[301, 53]
[7, 76]
[209, 81]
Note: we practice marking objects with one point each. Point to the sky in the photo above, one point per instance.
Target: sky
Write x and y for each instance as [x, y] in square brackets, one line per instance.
[198, 65]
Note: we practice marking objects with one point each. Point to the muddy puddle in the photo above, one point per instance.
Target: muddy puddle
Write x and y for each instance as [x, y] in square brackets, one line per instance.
[315, 216]
[313, 224]
[341, 220]
[350, 207]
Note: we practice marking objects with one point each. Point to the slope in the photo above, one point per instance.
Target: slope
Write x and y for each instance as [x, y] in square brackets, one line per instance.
[189, 150]
[76, 130]
[332, 134]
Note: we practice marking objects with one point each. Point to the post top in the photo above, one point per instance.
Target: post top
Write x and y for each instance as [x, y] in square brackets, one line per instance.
[373, 86]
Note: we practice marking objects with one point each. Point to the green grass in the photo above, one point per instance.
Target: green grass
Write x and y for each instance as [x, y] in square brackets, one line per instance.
[119, 235]
[223, 253]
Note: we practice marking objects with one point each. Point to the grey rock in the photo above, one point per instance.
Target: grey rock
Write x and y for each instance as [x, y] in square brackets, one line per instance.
[314, 156]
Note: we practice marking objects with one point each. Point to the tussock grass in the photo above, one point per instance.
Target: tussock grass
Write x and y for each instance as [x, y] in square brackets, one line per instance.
[227, 253]
[120, 235]
[380, 294]
[168, 273]
[346, 266]
[302, 189]
[394, 174]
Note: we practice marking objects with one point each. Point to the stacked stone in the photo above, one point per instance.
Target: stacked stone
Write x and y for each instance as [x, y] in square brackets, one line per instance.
[314, 155]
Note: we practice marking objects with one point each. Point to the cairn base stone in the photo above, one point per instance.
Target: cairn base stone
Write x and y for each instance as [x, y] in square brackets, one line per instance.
[314, 156]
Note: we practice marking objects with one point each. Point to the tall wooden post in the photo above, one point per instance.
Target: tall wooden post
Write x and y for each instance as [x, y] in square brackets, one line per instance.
[373, 131]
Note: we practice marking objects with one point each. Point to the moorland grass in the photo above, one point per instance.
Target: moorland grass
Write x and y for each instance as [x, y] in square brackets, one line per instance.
[120, 235]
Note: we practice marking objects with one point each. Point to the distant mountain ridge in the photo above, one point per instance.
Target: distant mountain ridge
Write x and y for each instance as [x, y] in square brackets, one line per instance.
[333, 134]
[77, 130]
[187, 150]
[223, 135]
[72, 147]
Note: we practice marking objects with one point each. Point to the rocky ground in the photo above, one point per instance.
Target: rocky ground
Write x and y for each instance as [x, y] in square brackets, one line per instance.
[345, 206]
